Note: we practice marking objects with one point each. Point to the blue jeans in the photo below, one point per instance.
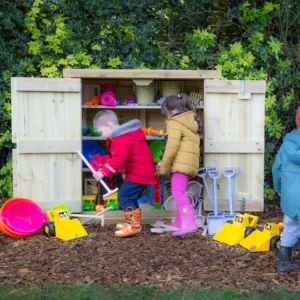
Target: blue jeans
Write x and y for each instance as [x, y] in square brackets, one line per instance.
[129, 194]
[291, 232]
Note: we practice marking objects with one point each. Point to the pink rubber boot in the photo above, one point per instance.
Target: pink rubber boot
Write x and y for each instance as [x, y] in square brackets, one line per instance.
[188, 223]
[177, 222]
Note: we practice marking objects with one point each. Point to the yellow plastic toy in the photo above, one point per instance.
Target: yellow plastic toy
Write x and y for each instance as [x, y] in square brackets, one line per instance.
[88, 202]
[61, 226]
[261, 240]
[232, 232]
[99, 207]
[112, 201]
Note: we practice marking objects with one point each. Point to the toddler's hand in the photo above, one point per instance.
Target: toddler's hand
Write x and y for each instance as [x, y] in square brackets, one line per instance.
[98, 175]
[124, 176]
[157, 167]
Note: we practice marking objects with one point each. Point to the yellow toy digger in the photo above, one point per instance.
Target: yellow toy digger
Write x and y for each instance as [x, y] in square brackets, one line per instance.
[61, 226]
[263, 239]
[232, 232]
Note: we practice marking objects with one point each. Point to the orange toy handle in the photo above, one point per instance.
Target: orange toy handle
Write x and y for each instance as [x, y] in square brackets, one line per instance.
[144, 130]
[151, 131]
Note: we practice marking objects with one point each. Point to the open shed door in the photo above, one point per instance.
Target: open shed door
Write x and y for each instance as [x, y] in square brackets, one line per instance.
[46, 126]
[234, 137]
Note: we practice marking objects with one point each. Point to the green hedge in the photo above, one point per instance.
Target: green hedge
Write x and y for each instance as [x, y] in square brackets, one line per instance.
[246, 40]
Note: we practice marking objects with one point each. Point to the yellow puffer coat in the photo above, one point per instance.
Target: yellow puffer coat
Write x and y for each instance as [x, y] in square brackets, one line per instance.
[182, 148]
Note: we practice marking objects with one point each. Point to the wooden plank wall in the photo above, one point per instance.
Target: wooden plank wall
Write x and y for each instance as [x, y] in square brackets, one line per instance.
[231, 122]
[47, 173]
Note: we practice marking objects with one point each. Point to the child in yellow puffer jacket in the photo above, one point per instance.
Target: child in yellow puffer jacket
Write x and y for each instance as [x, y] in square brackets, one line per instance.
[181, 156]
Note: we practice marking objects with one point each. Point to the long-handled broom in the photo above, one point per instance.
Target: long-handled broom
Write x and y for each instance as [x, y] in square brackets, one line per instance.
[109, 192]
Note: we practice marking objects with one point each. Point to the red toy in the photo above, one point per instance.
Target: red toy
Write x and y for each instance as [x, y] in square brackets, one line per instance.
[98, 161]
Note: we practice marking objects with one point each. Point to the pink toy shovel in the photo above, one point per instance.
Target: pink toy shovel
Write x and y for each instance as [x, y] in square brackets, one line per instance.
[110, 192]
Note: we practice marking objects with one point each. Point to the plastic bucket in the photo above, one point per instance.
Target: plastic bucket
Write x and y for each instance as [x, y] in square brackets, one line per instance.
[156, 149]
[145, 93]
[168, 88]
[9, 232]
[108, 99]
[109, 87]
[5, 229]
[22, 216]
[91, 148]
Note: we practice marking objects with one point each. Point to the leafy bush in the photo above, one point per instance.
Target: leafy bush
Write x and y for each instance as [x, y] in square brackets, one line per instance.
[12, 44]
[261, 53]
[246, 40]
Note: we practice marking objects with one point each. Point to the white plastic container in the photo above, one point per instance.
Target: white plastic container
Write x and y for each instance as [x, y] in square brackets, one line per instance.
[168, 88]
[145, 93]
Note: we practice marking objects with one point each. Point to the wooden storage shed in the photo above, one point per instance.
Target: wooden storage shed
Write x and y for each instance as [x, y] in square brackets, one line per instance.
[48, 116]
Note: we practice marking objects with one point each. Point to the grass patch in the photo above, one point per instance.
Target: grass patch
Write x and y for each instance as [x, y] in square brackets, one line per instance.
[94, 291]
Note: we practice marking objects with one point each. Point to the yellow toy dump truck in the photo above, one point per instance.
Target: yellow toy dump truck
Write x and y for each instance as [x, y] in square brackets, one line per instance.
[263, 239]
[60, 225]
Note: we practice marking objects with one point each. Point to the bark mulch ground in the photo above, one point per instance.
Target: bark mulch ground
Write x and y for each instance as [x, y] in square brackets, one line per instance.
[158, 260]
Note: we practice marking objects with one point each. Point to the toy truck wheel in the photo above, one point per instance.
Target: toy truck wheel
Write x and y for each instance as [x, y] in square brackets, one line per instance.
[275, 243]
[249, 230]
[50, 229]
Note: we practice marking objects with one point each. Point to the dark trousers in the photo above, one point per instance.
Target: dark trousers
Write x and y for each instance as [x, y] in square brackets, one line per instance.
[129, 194]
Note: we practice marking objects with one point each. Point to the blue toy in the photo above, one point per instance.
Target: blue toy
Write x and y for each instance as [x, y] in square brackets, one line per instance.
[89, 149]
[142, 200]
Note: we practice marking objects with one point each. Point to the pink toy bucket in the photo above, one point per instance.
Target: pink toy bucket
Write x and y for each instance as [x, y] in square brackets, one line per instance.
[108, 99]
[22, 216]
[109, 87]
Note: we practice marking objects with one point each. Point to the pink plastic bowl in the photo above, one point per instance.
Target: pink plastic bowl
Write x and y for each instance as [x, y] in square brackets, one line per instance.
[23, 216]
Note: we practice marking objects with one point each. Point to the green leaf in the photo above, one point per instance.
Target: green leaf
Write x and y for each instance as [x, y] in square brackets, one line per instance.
[114, 62]
[275, 45]
[236, 48]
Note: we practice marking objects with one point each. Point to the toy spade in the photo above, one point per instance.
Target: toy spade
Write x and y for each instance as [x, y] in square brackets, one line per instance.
[200, 220]
[110, 192]
[230, 173]
[202, 173]
[216, 219]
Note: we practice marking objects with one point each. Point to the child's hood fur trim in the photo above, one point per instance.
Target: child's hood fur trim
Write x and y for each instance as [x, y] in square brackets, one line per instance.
[126, 127]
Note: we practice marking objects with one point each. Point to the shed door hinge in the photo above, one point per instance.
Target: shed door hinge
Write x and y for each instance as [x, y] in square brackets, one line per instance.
[242, 94]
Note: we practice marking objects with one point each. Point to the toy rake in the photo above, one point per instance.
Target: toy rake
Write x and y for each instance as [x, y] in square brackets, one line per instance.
[109, 191]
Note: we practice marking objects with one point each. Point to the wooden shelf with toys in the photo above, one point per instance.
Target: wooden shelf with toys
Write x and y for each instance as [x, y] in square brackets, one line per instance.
[148, 138]
[121, 98]
[125, 107]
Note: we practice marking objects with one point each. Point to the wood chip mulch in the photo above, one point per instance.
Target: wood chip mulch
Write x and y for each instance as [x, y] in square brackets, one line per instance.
[159, 260]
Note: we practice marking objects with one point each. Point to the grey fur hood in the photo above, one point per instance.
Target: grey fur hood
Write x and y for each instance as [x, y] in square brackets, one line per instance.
[127, 127]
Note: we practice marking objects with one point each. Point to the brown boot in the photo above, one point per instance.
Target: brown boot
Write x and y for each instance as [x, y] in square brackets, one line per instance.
[132, 225]
[120, 225]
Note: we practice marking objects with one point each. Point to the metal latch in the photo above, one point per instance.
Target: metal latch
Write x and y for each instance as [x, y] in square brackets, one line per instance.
[242, 94]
